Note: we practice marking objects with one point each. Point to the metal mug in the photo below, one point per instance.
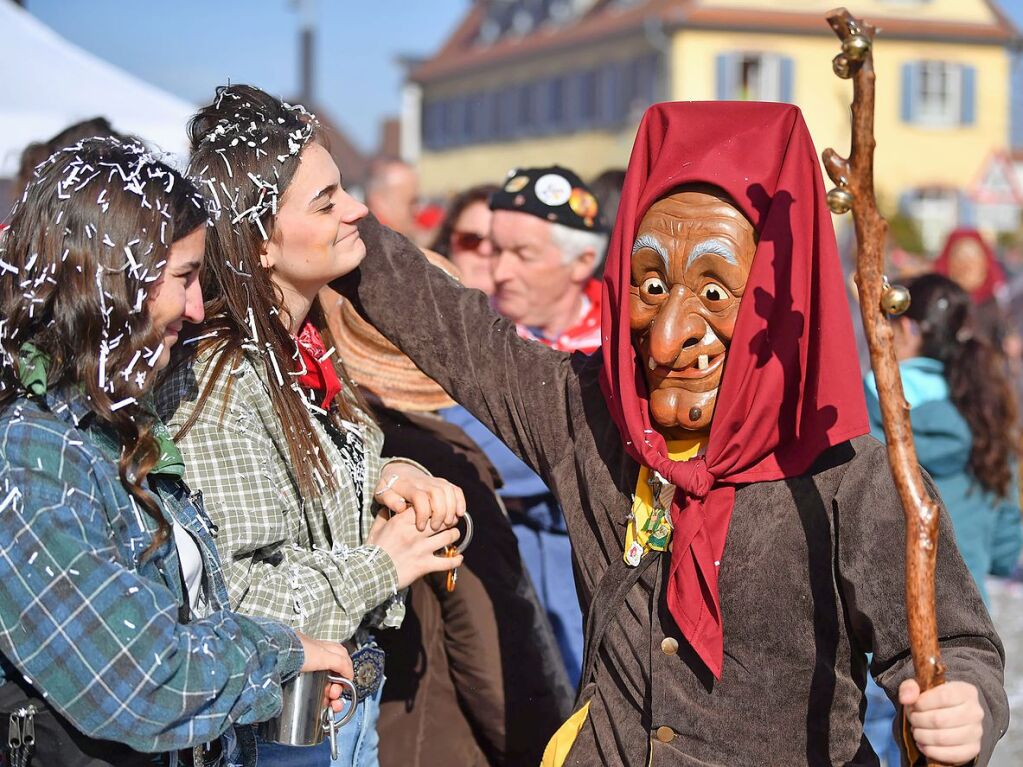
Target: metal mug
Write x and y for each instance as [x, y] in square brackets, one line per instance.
[304, 720]
[463, 542]
[465, 539]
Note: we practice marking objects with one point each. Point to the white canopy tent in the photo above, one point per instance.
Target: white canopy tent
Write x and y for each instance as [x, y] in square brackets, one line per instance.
[47, 83]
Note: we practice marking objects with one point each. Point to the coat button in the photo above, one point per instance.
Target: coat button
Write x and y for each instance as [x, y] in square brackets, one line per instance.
[669, 645]
[665, 734]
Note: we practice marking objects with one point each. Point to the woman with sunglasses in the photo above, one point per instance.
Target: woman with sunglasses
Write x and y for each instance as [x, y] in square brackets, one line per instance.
[464, 237]
[114, 618]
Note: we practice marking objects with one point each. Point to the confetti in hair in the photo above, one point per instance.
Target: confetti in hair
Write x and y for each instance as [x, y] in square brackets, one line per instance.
[247, 129]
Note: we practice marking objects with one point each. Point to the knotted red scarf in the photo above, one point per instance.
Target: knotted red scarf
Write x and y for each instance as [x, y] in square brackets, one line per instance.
[791, 385]
[320, 375]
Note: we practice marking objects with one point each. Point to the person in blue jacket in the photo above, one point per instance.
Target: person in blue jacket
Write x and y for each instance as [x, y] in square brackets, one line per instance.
[963, 417]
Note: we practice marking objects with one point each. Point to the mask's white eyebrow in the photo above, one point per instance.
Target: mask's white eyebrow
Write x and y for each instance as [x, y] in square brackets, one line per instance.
[649, 241]
[717, 247]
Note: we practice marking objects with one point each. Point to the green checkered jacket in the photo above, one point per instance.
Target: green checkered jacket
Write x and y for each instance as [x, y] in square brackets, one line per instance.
[301, 561]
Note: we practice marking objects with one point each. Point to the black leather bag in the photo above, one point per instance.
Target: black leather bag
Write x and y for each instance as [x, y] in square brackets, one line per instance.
[37, 736]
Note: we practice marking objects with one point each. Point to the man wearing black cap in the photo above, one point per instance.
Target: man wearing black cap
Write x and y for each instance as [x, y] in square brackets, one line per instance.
[549, 236]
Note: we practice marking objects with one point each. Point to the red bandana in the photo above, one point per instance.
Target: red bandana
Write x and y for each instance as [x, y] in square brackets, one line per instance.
[791, 386]
[994, 279]
[319, 375]
[584, 335]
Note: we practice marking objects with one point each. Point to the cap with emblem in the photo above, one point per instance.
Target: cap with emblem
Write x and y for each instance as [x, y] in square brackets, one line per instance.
[554, 194]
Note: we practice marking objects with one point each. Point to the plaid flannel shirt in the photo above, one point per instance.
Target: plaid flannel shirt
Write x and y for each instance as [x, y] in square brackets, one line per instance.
[302, 561]
[93, 627]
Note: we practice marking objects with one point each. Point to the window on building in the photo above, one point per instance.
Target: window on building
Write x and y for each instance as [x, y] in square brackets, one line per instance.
[473, 130]
[936, 210]
[485, 106]
[604, 97]
[610, 94]
[937, 93]
[640, 79]
[556, 102]
[752, 76]
[587, 97]
[429, 125]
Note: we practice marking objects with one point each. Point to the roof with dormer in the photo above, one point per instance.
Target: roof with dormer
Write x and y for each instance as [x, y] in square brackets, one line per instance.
[500, 32]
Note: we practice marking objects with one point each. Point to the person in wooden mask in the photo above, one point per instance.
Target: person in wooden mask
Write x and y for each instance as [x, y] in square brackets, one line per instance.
[690, 263]
[736, 534]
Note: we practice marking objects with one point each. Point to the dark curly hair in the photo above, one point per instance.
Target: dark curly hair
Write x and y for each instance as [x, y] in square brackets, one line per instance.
[976, 376]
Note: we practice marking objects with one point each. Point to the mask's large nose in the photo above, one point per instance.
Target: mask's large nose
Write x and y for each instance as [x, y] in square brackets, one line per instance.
[676, 328]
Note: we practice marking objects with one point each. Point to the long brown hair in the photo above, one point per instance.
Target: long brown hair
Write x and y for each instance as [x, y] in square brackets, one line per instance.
[976, 376]
[246, 147]
[87, 243]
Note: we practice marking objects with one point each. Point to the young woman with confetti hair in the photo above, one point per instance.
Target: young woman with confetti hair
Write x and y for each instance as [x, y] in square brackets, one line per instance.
[115, 632]
[274, 433]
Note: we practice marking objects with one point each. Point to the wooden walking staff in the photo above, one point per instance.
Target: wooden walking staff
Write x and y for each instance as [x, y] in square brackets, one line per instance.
[879, 301]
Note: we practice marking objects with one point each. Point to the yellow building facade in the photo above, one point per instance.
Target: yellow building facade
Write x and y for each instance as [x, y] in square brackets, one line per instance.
[943, 70]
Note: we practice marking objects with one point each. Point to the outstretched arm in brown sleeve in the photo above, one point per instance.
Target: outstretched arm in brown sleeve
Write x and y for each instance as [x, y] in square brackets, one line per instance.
[519, 389]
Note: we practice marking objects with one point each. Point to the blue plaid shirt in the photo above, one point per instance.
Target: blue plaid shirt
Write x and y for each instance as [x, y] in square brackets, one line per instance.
[95, 628]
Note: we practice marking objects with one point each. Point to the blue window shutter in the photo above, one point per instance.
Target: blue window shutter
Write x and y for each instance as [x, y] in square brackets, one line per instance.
[443, 124]
[502, 127]
[456, 121]
[524, 123]
[559, 91]
[724, 69]
[910, 77]
[786, 88]
[570, 101]
[608, 100]
[967, 114]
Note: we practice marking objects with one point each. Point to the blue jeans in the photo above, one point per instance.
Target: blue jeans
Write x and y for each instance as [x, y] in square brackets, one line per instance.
[547, 556]
[877, 725]
[276, 755]
[358, 742]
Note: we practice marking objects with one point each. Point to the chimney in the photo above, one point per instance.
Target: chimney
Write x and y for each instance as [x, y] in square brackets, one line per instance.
[306, 49]
[307, 54]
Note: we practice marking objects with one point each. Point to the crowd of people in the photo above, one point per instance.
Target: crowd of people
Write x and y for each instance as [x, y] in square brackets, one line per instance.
[246, 421]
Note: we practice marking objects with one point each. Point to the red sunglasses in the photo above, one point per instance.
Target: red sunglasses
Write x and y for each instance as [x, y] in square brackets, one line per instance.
[467, 240]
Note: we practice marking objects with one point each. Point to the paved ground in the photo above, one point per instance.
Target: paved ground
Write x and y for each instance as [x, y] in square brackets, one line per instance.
[1007, 611]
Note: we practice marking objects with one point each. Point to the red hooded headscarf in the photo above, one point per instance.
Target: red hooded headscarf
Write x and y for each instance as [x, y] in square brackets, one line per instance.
[791, 385]
[994, 280]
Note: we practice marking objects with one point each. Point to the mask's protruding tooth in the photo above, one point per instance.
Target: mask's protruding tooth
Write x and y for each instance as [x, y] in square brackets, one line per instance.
[651, 363]
[702, 361]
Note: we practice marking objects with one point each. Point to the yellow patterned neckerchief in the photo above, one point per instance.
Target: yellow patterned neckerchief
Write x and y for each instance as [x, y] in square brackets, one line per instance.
[649, 527]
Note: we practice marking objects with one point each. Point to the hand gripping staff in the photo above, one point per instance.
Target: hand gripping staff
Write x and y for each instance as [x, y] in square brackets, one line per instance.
[878, 301]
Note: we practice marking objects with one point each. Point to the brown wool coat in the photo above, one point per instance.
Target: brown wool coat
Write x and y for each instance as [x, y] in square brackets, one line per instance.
[455, 691]
[810, 581]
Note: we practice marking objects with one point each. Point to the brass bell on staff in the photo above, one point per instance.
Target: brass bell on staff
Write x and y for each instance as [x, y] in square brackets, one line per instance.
[895, 300]
[840, 200]
[841, 66]
[856, 47]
